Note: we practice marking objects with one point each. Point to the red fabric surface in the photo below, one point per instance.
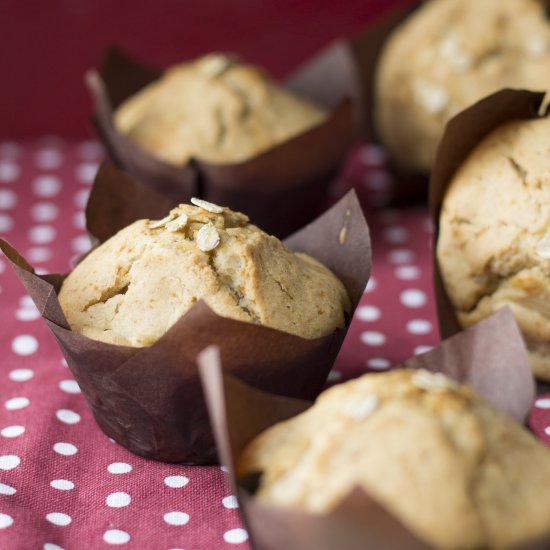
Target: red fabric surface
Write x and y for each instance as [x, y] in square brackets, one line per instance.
[59, 486]
[47, 46]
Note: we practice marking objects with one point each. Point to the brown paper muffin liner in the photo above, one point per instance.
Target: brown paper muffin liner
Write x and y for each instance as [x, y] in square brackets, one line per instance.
[285, 178]
[149, 399]
[490, 356]
[462, 134]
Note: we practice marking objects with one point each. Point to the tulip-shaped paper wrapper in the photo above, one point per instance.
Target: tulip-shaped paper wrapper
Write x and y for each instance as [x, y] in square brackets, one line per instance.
[462, 134]
[491, 357]
[149, 399]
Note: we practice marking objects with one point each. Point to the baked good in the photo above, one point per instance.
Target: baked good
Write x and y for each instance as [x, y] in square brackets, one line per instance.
[458, 473]
[494, 239]
[448, 55]
[136, 285]
[214, 109]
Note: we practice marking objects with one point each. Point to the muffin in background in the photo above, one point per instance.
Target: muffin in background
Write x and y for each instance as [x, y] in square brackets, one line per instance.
[445, 57]
[136, 285]
[458, 473]
[493, 248]
[215, 109]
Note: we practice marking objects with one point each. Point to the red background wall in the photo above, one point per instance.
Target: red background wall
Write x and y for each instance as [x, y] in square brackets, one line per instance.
[46, 45]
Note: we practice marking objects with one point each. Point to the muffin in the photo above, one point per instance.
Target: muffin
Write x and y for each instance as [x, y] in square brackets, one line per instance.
[494, 241]
[136, 285]
[214, 109]
[455, 471]
[456, 52]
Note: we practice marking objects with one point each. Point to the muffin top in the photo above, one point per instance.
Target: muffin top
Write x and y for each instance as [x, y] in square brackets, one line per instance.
[135, 286]
[214, 109]
[454, 470]
[494, 241]
[448, 55]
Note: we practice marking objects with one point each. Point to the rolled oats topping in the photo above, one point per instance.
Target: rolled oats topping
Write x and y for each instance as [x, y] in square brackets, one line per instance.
[207, 238]
[208, 206]
[157, 224]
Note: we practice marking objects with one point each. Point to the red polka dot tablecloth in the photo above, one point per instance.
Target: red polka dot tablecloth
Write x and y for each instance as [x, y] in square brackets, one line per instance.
[63, 483]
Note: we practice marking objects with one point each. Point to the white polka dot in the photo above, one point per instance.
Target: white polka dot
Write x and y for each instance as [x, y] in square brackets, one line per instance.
[65, 449]
[41, 271]
[116, 536]
[62, 484]
[419, 350]
[90, 150]
[5, 521]
[69, 386]
[230, 502]
[9, 462]
[81, 244]
[81, 198]
[224, 469]
[7, 489]
[334, 375]
[8, 199]
[378, 180]
[371, 285]
[407, 272]
[86, 172]
[2, 267]
[12, 431]
[51, 546]
[372, 338]
[16, 403]
[21, 375]
[79, 220]
[6, 223]
[25, 344]
[58, 518]
[46, 186]
[413, 298]
[368, 313]
[372, 155]
[176, 481]
[419, 326]
[48, 159]
[42, 234]
[378, 363]
[27, 313]
[396, 235]
[118, 500]
[44, 212]
[38, 254]
[67, 417]
[428, 225]
[543, 403]
[26, 301]
[235, 536]
[176, 518]
[119, 468]
[400, 256]
[9, 171]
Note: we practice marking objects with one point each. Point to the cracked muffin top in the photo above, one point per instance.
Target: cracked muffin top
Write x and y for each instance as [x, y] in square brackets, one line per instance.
[135, 286]
[214, 109]
[448, 55]
[453, 469]
[494, 241]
